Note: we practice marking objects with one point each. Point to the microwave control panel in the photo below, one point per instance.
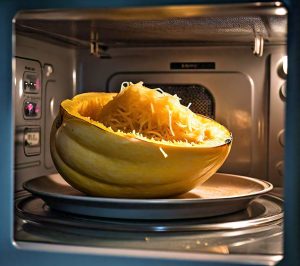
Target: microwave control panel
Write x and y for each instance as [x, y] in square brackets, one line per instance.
[28, 113]
[43, 76]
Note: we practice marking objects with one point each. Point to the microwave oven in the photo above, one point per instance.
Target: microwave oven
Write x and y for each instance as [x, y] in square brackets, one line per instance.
[229, 60]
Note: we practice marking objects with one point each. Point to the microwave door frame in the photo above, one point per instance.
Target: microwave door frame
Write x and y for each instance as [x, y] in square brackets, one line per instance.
[12, 253]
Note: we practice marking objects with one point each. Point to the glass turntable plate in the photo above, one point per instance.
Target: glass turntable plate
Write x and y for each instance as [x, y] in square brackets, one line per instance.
[221, 194]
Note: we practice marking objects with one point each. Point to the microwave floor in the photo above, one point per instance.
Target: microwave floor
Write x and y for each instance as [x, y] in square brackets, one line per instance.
[257, 230]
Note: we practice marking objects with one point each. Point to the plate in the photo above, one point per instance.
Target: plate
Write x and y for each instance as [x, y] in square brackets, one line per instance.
[221, 194]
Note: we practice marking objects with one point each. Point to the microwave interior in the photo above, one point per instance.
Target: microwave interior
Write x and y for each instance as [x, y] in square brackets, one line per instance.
[229, 61]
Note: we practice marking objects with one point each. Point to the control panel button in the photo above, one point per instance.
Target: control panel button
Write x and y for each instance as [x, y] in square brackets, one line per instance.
[32, 138]
[32, 141]
[29, 86]
[31, 82]
[32, 109]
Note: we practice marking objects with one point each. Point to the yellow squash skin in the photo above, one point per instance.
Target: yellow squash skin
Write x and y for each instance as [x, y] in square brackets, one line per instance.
[102, 163]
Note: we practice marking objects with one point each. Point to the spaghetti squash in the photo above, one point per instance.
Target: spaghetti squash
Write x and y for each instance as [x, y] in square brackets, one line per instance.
[139, 143]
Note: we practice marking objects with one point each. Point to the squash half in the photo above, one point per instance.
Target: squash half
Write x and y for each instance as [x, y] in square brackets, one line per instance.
[101, 162]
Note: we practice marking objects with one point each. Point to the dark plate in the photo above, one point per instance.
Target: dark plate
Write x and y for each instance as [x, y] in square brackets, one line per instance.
[221, 194]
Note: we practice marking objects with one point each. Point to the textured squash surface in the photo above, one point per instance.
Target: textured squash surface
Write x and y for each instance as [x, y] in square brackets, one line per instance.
[101, 160]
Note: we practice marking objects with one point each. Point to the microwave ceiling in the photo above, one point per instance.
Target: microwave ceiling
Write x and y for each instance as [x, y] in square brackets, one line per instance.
[158, 26]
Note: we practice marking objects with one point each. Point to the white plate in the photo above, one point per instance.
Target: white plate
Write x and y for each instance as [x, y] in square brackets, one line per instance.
[221, 194]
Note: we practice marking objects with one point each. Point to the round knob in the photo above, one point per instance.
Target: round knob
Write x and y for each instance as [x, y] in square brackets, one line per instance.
[281, 137]
[283, 67]
[282, 91]
[280, 168]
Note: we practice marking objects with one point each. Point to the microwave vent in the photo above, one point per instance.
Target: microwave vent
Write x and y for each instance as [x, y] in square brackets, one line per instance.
[199, 99]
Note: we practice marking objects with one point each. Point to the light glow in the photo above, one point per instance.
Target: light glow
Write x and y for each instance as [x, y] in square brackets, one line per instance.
[20, 88]
[74, 81]
[281, 11]
[285, 64]
[52, 107]
[277, 3]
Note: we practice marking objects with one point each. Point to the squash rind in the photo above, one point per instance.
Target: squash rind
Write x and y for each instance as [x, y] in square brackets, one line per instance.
[102, 163]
